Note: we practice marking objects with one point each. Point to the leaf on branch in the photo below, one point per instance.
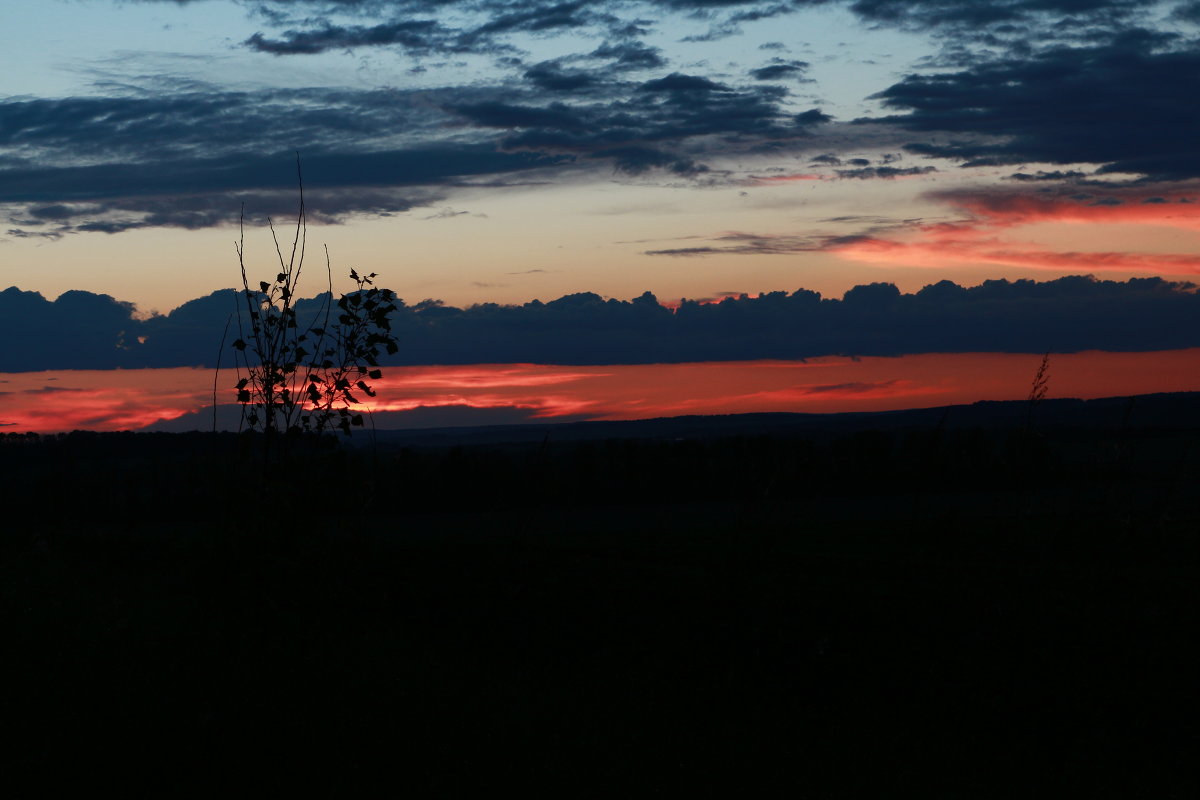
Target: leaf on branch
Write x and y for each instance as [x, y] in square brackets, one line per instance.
[375, 374]
[239, 345]
[264, 287]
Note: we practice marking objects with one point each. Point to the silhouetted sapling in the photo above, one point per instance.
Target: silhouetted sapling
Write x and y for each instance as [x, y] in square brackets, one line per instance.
[1037, 391]
[303, 377]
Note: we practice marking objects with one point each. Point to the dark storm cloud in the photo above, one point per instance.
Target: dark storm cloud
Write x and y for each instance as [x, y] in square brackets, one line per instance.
[81, 330]
[1123, 104]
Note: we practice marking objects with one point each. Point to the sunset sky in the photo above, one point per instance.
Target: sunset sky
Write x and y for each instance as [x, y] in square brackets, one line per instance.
[490, 151]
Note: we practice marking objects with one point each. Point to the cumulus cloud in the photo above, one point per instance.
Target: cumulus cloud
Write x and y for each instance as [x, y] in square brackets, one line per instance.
[81, 330]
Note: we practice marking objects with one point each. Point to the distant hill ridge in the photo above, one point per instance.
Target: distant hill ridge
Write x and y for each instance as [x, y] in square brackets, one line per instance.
[1163, 410]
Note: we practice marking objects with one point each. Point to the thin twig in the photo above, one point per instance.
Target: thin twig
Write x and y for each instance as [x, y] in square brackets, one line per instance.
[217, 373]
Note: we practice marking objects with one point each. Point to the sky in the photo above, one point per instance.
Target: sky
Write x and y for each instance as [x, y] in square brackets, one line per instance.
[493, 152]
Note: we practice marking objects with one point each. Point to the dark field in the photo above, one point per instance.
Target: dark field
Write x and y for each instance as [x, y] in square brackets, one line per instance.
[857, 610]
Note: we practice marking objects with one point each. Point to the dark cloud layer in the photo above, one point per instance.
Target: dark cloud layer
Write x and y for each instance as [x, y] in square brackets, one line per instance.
[1123, 104]
[1046, 81]
[81, 330]
[495, 17]
[190, 160]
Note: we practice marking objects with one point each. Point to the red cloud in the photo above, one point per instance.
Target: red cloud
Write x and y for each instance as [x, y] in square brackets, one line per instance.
[940, 251]
[1179, 208]
[987, 233]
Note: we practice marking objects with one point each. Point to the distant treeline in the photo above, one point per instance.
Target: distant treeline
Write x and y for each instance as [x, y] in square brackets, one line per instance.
[82, 330]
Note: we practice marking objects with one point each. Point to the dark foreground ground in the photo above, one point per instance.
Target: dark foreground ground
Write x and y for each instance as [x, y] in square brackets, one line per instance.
[968, 611]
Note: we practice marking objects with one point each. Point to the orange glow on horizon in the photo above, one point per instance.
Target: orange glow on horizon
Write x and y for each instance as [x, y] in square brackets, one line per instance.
[48, 402]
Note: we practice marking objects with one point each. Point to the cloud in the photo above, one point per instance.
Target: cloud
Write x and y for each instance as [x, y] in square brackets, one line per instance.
[85, 331]
[624, 56]
[661, 123]
[887, 173]
[989, 13]
[949, 252]
[419, 36]
[1175, 205]
[991, 222]
[1117, 104]
[552, 76]
[740, 243]
[412, 29]
[779, 68]
[174, 152]
[155, 161]
[185, 155]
